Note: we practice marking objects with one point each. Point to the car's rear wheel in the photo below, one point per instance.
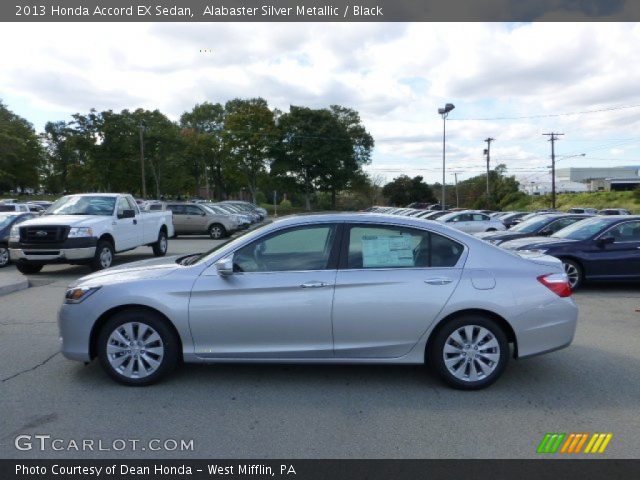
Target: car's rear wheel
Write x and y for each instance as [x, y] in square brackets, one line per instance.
[469, 352]
[4, 256]
[574, 273]
[217, 231]
[161, 245]
[28, 268]
[137, 347]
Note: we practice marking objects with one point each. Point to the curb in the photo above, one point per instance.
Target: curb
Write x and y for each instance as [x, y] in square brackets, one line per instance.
[12, 282]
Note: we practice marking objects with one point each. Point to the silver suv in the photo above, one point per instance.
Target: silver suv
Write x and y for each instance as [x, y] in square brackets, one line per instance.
[192, 218]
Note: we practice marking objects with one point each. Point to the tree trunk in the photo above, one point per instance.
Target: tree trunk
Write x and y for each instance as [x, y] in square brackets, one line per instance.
[333, 199]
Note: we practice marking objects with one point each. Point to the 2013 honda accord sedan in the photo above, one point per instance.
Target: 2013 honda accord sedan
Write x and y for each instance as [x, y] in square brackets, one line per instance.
[342, 288]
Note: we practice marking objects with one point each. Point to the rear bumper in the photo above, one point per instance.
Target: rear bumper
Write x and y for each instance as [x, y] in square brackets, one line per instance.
[547, 328]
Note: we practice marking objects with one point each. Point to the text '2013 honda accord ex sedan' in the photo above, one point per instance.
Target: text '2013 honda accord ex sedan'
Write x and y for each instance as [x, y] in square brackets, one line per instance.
[340, 288]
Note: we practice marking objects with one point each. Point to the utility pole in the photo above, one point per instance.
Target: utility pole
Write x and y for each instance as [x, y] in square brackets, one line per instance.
[487, 152]
[552, 138]
[144, 183]
[455, 175]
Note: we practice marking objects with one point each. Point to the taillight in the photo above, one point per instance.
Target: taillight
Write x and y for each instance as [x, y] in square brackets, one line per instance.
[558, 283]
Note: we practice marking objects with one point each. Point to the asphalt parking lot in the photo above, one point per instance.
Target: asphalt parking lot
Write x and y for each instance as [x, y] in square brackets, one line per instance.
[272, 411]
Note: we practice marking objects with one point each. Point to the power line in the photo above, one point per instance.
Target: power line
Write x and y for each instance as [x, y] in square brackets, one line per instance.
[549, 115]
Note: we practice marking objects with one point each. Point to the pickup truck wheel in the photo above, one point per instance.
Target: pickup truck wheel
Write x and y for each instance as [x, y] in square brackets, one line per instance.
[137, 347]
[217, 231]
[28, 268]
[103, 256]
[4, 256]
[160, 247]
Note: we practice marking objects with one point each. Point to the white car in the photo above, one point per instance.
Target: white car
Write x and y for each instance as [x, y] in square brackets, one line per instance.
[469, 221]
[14, 207]
[88, 229]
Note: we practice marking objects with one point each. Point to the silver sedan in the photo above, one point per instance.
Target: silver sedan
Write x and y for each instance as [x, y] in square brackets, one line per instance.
[345, 288]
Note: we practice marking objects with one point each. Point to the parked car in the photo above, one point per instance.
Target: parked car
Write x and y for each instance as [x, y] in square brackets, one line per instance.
[540, 226]
[196, 218]
[244, 220]
[249, 206]
[590, 211]
[8, 200]
[7, 221]
[87, 229]
[234, 209]
[597, 248]
[402, 291]
[434, 214]
[419, 205]
[614, 211]
[472, 222]
[14, 207]
[512, 218]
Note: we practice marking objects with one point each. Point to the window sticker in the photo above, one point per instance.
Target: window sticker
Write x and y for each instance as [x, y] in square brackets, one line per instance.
[379, 251]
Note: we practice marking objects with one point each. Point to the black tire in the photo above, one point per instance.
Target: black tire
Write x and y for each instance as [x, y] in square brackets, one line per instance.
[160, 247]
[574, 271]
[28, 268]
[98, 262]
[436, 353]
[169, 344]
[217, 231]
[4, 256]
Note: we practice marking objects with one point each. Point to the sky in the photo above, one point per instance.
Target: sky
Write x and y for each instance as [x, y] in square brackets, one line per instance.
[512, 82]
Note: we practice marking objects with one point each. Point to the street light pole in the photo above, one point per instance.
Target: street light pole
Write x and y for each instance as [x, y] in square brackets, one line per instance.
[144, 183]
[445, 113]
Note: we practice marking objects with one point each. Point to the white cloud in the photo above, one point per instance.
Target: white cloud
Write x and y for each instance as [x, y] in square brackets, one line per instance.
[395, 75]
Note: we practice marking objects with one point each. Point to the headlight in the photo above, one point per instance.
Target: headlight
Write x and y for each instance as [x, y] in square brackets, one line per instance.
[77, 232]
[14, 235]
[79, 294]
[535, 251]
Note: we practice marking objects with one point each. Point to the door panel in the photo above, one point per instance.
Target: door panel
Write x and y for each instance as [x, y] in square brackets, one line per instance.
[126, 230]
[619, 259]
[392, 284]
[263, 315]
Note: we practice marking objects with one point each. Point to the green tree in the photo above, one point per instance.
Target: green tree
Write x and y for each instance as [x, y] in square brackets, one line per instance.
[404, 190]
[21, 153]
[250, 135]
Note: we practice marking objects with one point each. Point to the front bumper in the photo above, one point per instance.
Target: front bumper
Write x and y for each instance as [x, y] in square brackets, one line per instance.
[75, 331]
[71, 250]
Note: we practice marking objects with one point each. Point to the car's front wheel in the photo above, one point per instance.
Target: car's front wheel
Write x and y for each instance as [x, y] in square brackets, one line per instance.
[217, 231]
[137, 347]
[103, 257]
[28, 268]
[469, 352]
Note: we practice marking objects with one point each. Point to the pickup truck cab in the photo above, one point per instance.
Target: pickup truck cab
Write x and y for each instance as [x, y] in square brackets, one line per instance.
[88, 229]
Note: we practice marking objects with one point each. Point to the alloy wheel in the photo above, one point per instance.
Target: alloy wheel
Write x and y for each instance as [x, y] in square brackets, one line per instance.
[106, 257]
[4, 256]
[471, 353]
[572, 272]
[135, 350]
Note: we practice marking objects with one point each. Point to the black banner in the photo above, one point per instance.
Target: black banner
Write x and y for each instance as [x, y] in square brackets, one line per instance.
[318, 10]
[321, 469]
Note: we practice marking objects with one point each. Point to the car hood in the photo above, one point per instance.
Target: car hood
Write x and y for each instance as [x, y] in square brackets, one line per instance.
[144, 269]
[536, 242]
[502, 236]
[69, 220]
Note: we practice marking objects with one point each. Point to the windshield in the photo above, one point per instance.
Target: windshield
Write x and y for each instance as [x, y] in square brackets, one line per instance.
[5, 220]
[531, 225]
[583, 229]
[83, 205]
[200, 257]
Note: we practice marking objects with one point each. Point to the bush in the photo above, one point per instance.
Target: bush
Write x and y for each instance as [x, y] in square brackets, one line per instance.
[286, 204]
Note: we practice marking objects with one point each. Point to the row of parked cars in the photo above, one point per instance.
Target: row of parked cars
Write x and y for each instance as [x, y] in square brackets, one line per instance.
[592, 245]
[91, 228]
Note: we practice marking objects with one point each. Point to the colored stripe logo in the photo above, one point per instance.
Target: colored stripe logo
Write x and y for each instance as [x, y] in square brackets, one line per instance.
[574, 443]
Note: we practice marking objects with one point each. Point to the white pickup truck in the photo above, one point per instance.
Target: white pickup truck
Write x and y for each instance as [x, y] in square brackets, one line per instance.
[88, 229]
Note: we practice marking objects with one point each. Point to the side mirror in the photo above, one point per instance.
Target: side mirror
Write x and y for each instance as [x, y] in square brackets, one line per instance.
[127, 214]
[606, 241]
[224, 267]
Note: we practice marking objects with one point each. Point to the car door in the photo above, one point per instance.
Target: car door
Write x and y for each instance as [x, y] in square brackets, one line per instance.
[621, 258]
[126, 230]
[392, 283]
[179, 217]
[460, 221]
[195, 219]
[479, 223]
[276, 304]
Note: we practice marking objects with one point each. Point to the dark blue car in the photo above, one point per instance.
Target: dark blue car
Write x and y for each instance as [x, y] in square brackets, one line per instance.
[8, 220]
[598, 248]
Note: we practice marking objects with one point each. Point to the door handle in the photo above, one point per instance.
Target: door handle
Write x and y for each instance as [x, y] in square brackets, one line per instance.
[313, 285]
[438, 281]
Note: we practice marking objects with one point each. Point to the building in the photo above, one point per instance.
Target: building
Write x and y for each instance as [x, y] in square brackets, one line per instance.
[544, 188]
[614, 184]
[587, 174]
